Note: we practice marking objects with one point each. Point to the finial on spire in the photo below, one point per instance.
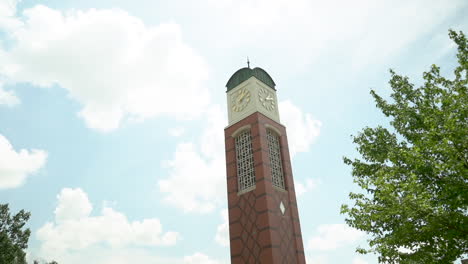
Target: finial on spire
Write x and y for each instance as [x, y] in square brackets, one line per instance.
[248, 62]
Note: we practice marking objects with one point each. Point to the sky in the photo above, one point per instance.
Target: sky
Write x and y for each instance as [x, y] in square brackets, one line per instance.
[112, 115]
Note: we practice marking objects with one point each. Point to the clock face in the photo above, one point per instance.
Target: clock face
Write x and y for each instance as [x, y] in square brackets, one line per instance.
[267, 99]
[240, 99]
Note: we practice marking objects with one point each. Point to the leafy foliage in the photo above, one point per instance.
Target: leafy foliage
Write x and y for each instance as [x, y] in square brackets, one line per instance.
[13, 239]
[52, 262]
[415, 176]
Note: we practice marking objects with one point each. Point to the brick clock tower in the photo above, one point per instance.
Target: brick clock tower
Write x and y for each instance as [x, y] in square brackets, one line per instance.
[263, 216]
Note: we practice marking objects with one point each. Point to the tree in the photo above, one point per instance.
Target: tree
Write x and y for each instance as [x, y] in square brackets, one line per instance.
[52, 262]
[414, 176]
[13, 239]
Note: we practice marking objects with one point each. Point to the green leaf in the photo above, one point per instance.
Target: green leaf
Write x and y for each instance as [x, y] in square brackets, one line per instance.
[414, 202]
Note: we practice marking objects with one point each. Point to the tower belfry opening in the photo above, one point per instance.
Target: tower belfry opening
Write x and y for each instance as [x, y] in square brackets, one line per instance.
[264, 222]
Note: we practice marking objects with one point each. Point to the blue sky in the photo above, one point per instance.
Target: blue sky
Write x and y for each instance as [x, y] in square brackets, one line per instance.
[112, 114]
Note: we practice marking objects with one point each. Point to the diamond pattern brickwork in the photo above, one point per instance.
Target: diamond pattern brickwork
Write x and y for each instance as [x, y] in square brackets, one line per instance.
[284, 229]
[247, 232]
[259, 232]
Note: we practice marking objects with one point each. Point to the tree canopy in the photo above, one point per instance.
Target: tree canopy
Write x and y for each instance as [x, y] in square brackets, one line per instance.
[13, 237]
[414, 174]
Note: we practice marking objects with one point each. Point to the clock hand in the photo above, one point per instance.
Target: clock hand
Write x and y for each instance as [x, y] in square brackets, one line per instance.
[242, 94]
[240, 98]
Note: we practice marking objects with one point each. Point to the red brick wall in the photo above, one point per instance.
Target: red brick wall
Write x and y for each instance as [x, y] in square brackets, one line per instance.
[259, 232]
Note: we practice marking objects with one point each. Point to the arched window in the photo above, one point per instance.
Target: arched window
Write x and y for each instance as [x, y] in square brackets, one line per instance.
[275, 159]
[245, 163]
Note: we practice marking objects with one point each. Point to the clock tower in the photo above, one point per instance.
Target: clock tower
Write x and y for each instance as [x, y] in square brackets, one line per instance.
[263, 216]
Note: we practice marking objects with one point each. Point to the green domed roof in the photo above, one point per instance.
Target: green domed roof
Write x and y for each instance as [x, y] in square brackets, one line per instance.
[245, 73]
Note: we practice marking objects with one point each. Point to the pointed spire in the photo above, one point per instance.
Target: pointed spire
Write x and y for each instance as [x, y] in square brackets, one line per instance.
[248, 62]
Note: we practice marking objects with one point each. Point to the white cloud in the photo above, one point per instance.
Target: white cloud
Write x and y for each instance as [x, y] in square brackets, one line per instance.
[395, 27]
[103, 255]
[199, 258]
[355, 34]
[8, 98]
[7, 12]
[15, 167]
[8, 8]
[75, 231]
[202, 163]
[197, 174]
[176, 131]
[111, 62]
[194, 183]
[222, 233]
[333, 236]
[72, 204]
[302, 129]
[317, 259]
[358, 260]
[309, 185]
